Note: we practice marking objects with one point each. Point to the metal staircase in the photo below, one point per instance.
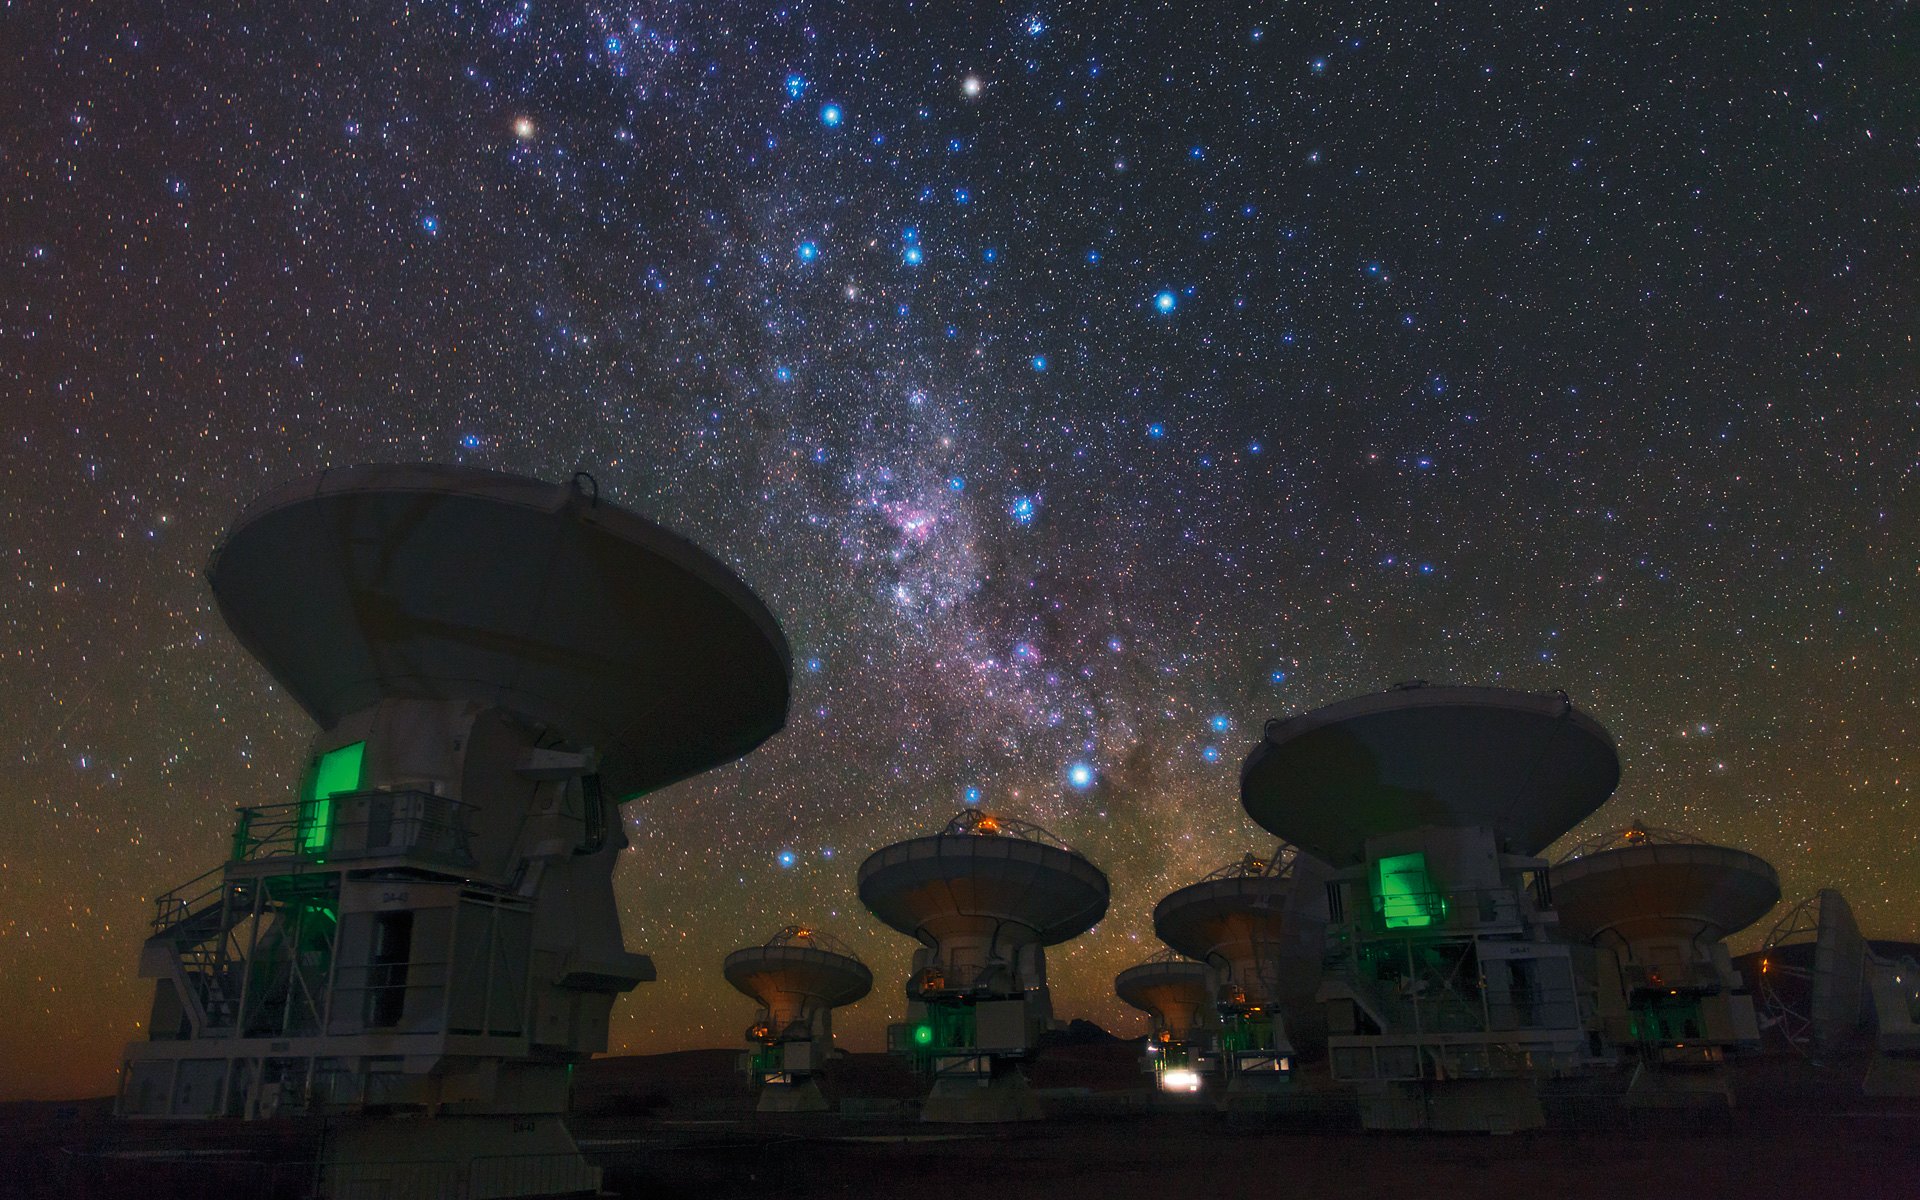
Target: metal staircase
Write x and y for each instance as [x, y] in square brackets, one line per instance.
[197, 942]
[192, 942]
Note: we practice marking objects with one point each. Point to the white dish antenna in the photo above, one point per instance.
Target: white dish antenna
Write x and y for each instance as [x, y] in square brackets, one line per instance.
[1815, 1001]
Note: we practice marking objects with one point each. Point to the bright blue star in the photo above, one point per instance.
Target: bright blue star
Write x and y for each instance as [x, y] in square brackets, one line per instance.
[795, 85]
[1165, 302]
[1278, 677]
[1115, 645]
[972, 795]
[1198, 152]
[813, 664]
[1319, 65]
[1021, 510]
[957, 484]
[989, 254]
[786, 858]
[1154, 431]
[910, 234]
[1035, 26]
[808, 252]
[1221, 722]
[830, 115]
[783, 375]
[1093, 256]
[911, 255]
[1253, 448]
[430, 223]
[1039, 362]
[960, 195]
[1211, 753]
[471, 441]
[1080, 775]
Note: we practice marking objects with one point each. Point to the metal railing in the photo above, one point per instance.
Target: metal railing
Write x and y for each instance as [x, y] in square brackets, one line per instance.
[190, 897]
[386, 996]
[411, 824]
[1448, 986]
[1463, 908]
[1431, 1006]
[1354, 1060]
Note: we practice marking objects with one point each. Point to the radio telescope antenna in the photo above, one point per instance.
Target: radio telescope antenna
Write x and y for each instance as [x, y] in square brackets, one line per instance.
[1261, 924]
[428, 926]
[1815, 1001]
[1656, 905]
[984, 896]
[1430, 804]
[799, 976]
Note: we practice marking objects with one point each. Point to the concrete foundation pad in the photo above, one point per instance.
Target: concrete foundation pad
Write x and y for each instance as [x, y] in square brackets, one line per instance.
[802, 1097]
[1004, 1098]
[1655, 1087]
[1456, 1105]
[1392, 1105]
[1890, 1076]
[1485, 1106]
[483, 1158]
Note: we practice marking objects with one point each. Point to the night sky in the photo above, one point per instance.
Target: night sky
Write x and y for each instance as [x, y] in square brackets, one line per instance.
[1080, 388]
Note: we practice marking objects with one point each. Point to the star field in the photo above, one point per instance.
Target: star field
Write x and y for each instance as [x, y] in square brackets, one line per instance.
[1080, 386]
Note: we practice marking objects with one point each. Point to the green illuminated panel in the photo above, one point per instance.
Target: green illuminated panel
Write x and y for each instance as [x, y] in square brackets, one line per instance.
[1671, 1018]
[1406, 896]
[337, 771]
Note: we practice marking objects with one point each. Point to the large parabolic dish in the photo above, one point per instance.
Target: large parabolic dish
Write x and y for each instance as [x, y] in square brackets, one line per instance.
[1171, 990]
[1250, 921]
[984, 875]
[1530, 767]
[445, 583]
[1662, 886]
[797, 971]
